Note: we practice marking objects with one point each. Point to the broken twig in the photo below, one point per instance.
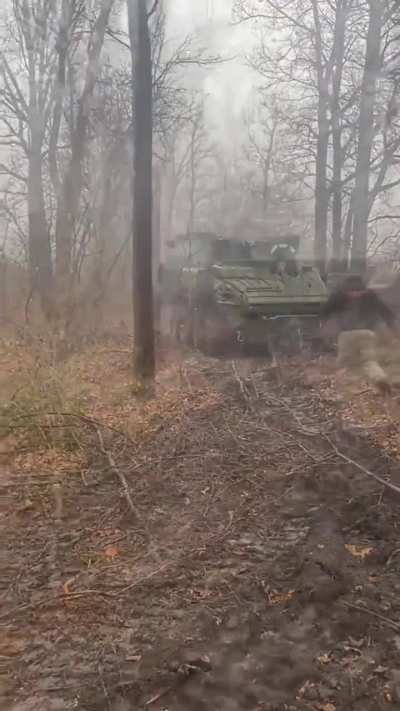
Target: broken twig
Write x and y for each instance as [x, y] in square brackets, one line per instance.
[119, 474]
[363, 469]
[391, 623]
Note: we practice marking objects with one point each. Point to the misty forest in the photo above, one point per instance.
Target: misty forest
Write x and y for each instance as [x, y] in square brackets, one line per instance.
[199, 355]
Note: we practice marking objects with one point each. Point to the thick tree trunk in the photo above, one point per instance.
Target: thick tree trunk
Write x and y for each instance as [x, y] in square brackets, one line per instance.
[40, 263]
[143, 317]
[3, 286]
[98, 285]
[366, 135]
[157, 243]
[337, 210]
[71, 187]
[348, 229]
[267, 170]
[321, 188]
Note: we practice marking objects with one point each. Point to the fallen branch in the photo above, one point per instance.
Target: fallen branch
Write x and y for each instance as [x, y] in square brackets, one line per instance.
[239, 381]
[363, 469]
[119, 475]
[159, 696]
[142, 580]
[89, 592]
[391, 623]
[94, 424]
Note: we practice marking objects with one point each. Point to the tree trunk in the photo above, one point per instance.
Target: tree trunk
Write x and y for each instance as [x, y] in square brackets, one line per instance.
[157, 243]
[98, 285]
[192, 190]
[267, 169]
[3, 286]
[366, 135]
[348, 229]
[40, 263]
[142, 292]
[337, 209]
[71, 187]
[321, 188]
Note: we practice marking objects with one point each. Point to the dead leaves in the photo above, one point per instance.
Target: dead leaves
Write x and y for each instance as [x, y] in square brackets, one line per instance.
[280, 598]
[359, 551]
[42, 462]
[111, 552]
[324, 659]
[67, 586]
[357, 404]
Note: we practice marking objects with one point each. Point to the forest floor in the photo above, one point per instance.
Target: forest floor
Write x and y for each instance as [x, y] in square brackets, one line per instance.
[220, 545]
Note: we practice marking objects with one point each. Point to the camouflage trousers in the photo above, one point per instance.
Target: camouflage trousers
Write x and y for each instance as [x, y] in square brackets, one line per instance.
[357, 352]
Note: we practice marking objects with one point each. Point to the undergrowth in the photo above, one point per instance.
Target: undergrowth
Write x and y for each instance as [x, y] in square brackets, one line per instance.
[44, 410]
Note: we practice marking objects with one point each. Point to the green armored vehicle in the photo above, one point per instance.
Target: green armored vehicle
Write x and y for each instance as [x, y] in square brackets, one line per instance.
[217, 293]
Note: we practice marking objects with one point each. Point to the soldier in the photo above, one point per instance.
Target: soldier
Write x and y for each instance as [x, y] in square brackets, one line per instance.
[284, 256]
[359, 314]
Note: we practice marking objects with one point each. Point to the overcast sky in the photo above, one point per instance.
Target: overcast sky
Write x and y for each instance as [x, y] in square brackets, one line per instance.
[230, 83]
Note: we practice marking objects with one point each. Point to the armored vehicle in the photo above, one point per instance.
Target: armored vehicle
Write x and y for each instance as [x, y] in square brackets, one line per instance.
[218, 293]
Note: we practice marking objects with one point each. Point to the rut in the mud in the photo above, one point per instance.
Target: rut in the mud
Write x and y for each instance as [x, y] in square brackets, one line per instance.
[262, 573]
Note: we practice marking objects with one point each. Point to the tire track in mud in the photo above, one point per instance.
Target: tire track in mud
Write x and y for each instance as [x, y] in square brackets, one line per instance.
[282, 586]
[339, 590]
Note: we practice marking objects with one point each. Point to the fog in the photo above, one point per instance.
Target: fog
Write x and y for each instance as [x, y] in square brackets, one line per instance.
[228, 85]
[246, 138]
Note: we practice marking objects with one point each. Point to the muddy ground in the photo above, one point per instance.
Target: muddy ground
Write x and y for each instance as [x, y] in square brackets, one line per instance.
[240, 557]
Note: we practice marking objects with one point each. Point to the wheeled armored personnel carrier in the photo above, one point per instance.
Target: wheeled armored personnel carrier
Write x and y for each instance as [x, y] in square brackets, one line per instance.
[218, 293]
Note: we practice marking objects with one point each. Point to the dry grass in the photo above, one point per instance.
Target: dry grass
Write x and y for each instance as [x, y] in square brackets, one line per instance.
[358, 401]
[215, 461]
[40, 395]
[48, 408]
[44, 405]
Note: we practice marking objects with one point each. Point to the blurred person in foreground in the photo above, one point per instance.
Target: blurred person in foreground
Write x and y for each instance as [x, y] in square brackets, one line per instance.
[361, 318]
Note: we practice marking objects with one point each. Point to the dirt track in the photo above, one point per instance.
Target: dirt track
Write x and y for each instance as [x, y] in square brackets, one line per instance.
[257, 568]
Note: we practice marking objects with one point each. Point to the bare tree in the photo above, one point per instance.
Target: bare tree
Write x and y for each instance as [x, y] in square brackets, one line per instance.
[330, 57]
[304, 64]
[366, 135]
[262, 147]
[142, 92]
[189, 159]
[35, 65]
[70, 188]
[338, 54]
[26, 67]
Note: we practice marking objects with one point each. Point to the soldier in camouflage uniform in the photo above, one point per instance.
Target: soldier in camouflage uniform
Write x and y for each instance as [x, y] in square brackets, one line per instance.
[360, 314]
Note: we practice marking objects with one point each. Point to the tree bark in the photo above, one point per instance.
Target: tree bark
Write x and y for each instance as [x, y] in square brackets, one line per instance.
[321, 188]
[366, 135]
[348, 229]
[3, 285]
[142, 291]
[338, 255]
[40, 263]
[71, 187]
[267, 169]
[156, 257]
